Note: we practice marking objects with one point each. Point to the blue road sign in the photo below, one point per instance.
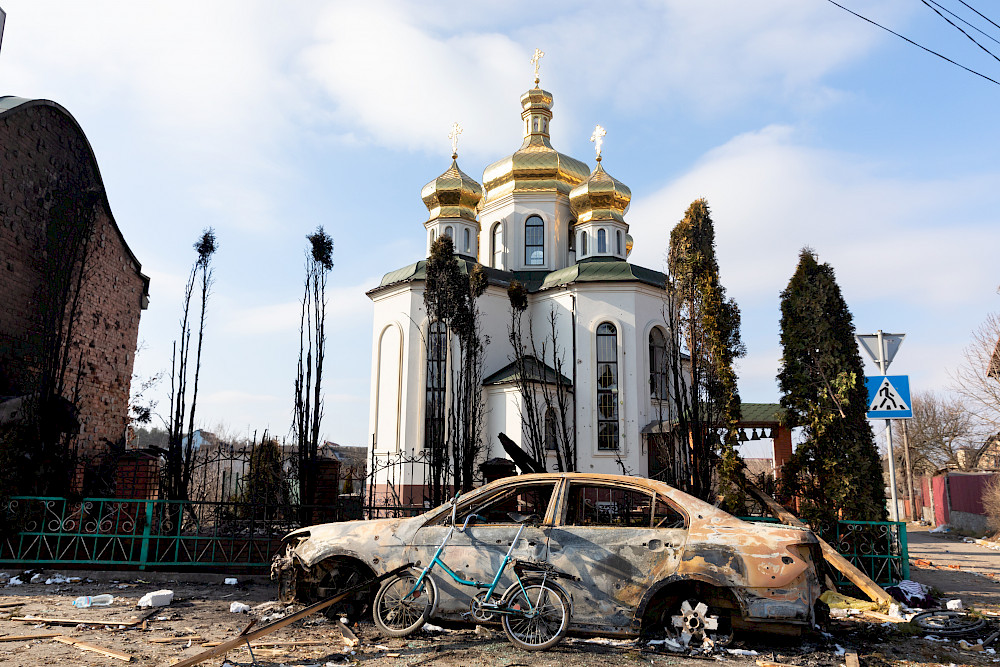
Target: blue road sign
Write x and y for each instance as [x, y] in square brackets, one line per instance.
[888, 397]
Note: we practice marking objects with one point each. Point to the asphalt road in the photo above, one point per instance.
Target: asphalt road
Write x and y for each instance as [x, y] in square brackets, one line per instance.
[958, 569]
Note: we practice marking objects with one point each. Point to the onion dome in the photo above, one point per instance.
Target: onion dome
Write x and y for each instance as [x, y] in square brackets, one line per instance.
[600, 197]
[536, 166]
[453, 194]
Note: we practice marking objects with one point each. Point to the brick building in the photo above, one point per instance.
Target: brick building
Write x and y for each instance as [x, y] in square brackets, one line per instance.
[71, 291]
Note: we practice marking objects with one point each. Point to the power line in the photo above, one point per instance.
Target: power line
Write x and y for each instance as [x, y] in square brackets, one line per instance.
[976, 28]
[878, 25]
[959, 28]
[977, 11]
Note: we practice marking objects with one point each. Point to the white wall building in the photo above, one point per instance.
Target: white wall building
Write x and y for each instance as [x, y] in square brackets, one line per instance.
[557, 226]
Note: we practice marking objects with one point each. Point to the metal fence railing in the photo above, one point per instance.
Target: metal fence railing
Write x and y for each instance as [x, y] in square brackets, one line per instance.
[151, 534]
[877, 548]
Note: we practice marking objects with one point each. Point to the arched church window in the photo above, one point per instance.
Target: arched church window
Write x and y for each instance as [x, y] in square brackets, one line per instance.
[534, 124]
[571, 237]
[448, 232]
[602, 241]
[618, 243]
[550, 429]
[467, 237]
[433, 235]
[583, 244]
[534, 241]
[607, 387]
[437, 362]
[497, 249]
[657, 364]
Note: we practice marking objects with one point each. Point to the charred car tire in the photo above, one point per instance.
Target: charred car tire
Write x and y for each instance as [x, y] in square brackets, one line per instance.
[546, 627]
[397, 613]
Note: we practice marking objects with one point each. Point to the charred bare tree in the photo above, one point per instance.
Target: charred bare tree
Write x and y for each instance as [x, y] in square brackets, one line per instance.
[43, 443]
[450, 299]
[546, 423]
[180, 444]
[308, 413]
[526, 367]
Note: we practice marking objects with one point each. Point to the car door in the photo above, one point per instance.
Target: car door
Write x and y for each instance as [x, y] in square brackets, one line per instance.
[619, 539]
[476, 553]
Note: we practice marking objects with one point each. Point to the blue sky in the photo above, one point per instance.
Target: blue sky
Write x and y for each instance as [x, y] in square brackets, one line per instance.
[800, 124]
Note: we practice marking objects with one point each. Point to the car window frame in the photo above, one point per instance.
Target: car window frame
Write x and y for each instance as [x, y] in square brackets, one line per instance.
[484, 496]
[653, 493]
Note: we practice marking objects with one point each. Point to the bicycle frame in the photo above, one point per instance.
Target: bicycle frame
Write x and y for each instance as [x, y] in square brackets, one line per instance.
[491, 586]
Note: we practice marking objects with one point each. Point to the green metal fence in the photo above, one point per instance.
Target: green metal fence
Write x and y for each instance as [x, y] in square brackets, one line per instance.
[178, 535]
[877, 548]
[153, 534]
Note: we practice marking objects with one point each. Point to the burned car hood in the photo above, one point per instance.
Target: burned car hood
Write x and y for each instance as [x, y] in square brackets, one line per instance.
[354, 538]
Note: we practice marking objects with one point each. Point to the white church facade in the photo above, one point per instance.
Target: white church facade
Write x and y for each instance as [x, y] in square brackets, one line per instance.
[557, 226]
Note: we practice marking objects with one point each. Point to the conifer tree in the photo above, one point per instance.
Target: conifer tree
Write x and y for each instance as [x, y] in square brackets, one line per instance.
[706, 343]
[836, 471]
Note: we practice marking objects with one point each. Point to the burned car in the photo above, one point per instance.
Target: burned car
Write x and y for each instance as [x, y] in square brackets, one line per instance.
[647, 556]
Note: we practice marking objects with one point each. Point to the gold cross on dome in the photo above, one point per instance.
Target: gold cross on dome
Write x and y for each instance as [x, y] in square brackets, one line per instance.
[598, 138]
[534, 61]
[456, 130]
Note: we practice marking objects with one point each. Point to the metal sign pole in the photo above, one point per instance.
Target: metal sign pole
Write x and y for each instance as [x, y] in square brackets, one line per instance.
[894, 509]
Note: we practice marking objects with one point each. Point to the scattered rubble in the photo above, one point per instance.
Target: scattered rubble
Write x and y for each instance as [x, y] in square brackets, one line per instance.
[159, 598]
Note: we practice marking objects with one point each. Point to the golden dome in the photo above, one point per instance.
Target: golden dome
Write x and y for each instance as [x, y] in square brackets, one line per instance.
[453, 194]
[600, 197]
[536, 166]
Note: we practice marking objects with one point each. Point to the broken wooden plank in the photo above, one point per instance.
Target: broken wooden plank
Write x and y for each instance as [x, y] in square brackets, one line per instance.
[851, 659]
[245, 637]
[350, 639]
[84, 646]
[769, 663]
[8, 605]
[70, 621]
[279, 642]
[883, 617]
[19, 638]
[844, 566]
[132, 622]
[171, 640]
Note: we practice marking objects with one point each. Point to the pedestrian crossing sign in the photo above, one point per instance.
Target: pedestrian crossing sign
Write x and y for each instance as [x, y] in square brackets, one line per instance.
[888, 397]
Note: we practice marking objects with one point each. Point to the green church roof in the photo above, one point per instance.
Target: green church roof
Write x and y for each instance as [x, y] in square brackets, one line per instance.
[594, 270]
[535, 370]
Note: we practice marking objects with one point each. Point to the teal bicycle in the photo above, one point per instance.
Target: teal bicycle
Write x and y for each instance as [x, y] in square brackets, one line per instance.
[533, 611]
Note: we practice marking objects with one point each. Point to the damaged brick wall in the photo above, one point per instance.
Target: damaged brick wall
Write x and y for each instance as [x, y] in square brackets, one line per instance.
[45, 152]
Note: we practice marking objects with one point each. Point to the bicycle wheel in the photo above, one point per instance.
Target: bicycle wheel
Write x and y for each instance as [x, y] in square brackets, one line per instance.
[396, 612]
[541, 629]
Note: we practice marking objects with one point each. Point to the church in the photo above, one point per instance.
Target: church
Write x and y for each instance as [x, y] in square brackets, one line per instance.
[552, 223]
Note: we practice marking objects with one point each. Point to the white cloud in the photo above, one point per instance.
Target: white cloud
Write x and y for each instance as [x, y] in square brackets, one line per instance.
[402, 74]
[771, 195]
[404, 86]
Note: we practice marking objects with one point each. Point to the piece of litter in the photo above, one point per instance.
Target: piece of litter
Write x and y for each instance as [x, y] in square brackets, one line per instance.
[239, 608]
[37, 578]
[428, 627]
[15, 581]
[230, 581]
[741, 651]
[954, 605]
[840, 649]
[157, 598]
